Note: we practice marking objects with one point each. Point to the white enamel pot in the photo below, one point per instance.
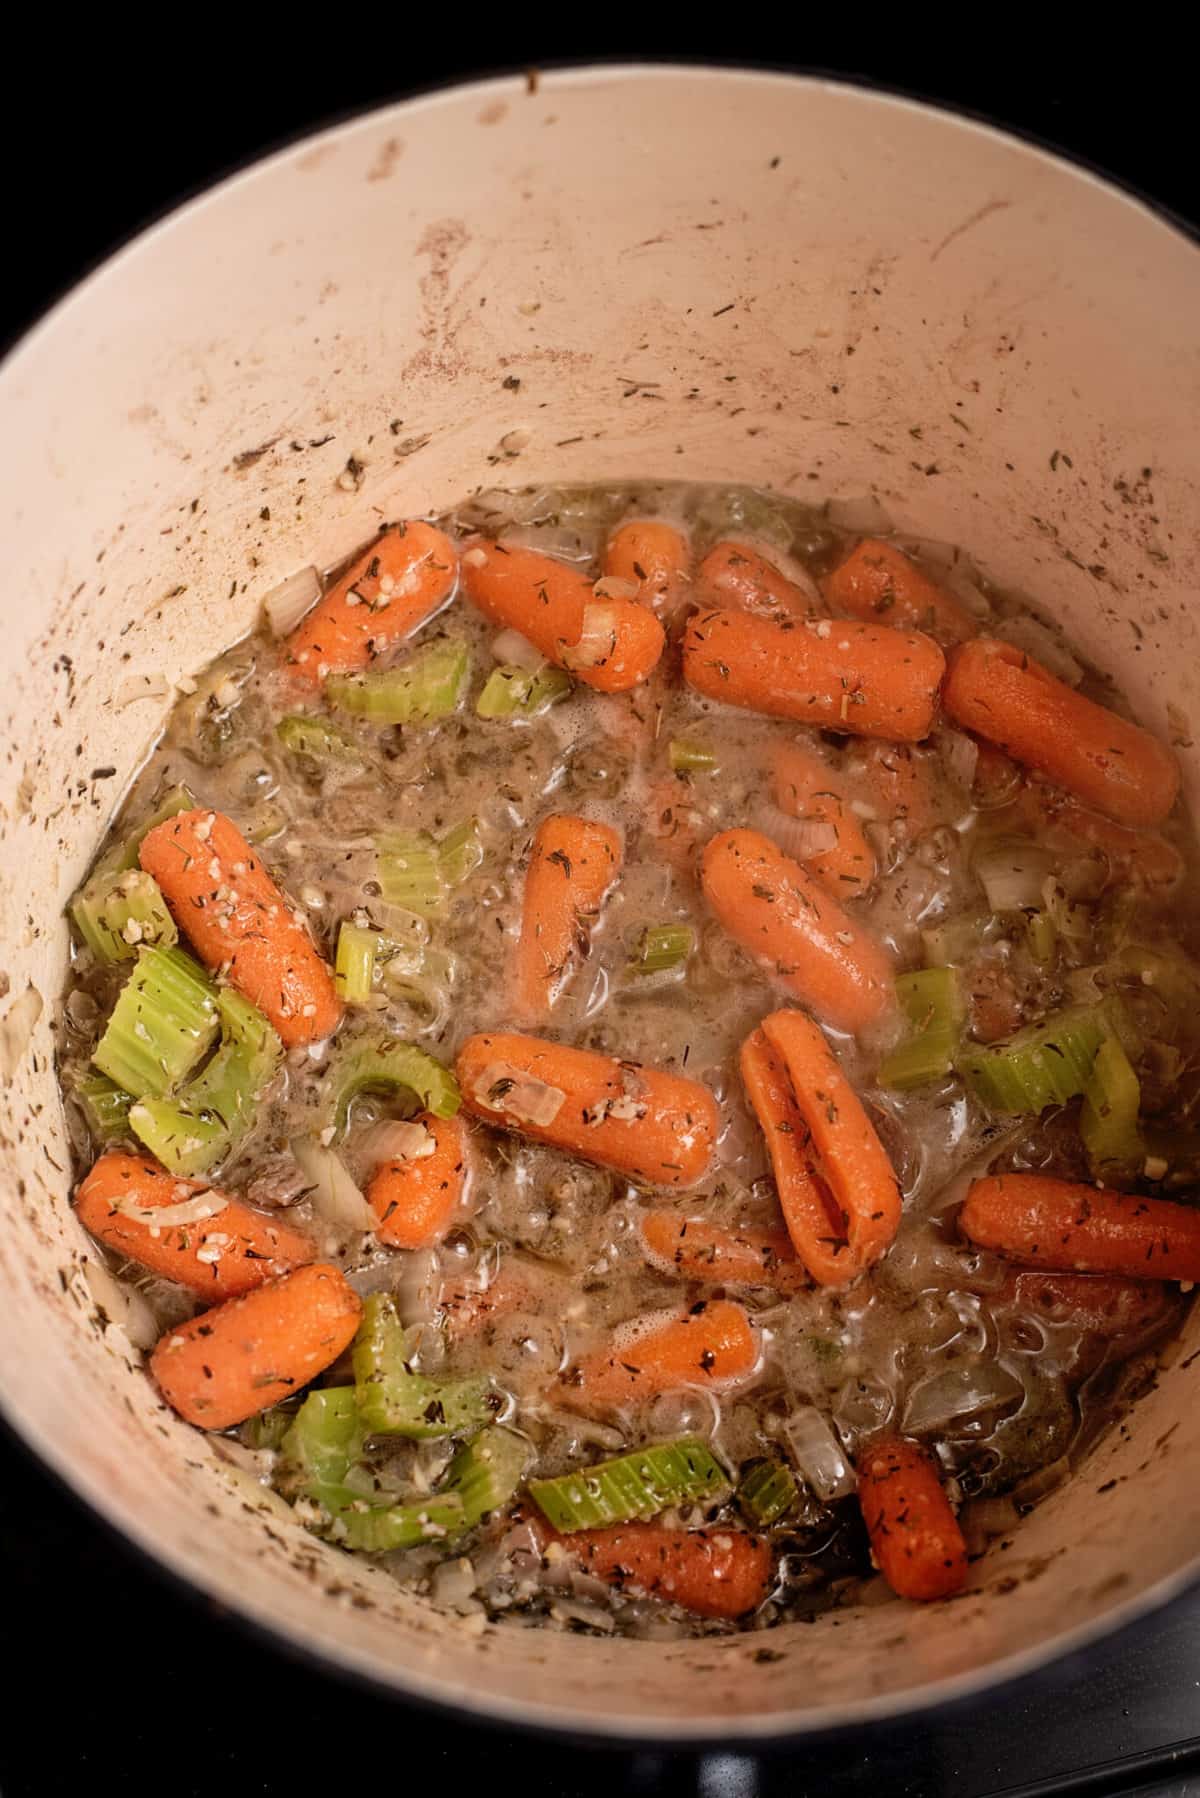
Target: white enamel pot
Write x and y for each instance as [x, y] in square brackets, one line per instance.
[625, 272]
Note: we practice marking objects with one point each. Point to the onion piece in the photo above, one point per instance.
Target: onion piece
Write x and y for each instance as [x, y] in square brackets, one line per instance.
[397, 1140]
[1013, 873]
[520, 1096]
[286, 604]
[960, 755]
[197, 1208]
[866, 516]
[818, 1454]
[516, 651]
[1038, 640]
[335, 1197]
[798, 837]
[959, 1394]
[122, 1305]
[598, 639]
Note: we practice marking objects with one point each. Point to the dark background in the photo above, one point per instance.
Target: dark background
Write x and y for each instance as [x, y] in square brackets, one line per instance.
[115, 1681]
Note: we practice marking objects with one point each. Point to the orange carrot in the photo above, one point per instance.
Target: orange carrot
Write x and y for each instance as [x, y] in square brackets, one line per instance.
[735, 574]
[1142, 856]
[877, 580]
[1070, 1227]
[1102, 1304]
[657, 557]
[610, 644]
[842, 675]
[811, 946]
[804, 787]
[403, 578]
[713, 1345]
[644, 1122]
[517, 1285]
[232, 913]
[219, 1256]
[416, 1199]
[1111, 765]
[693, 1248]
[572, 866]
[915, 1539]
[849, 1212]
[902, 789]
[249, 1353]
[718, 1572]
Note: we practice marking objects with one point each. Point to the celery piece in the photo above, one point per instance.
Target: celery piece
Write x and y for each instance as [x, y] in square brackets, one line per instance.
[375, 1061]
[410, 871]
[482, 1477]
[687, 757]
[165, 1019]
[355, 962]
[325, 1439]
[631, 1487]
[106, 1105]
[303, 734]
[1041, 936]
[421, 690]
[932, 1003]
[767, 1492]
[174, 800]
[395, 1401]
[1108, 1118]
[212, 1113]
[460, 852]
[118, 913]
[662, 946]
[487, 1472]
[512, 692]
[1045, 1064]
[269, 1428]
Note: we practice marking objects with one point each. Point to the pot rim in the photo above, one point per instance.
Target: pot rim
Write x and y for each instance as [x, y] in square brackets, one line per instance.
[751, 1732]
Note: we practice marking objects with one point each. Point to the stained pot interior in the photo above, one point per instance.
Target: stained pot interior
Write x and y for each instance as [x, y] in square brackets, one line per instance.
[618, 272]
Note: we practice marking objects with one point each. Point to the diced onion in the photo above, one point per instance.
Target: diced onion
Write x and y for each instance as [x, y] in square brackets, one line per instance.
[335, 1197]
[960, 754]
[514, 650]
[396, 1140]
[1012, 874]
[286, 604]
[124, 1306]
[196, 1209]
[16, 1028]
[818, 1454]
[798, 837]
[528, 1100]
[1043, 644]
[597, 641]
[959, 1394]
[866, 516]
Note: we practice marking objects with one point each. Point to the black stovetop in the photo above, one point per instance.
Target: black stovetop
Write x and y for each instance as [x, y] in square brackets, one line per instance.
[113, 1680]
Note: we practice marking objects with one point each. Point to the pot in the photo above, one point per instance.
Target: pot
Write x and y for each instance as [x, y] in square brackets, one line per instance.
[614, 272]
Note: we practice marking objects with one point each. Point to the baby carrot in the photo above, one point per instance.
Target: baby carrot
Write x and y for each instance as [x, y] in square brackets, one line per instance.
[804, 787]
[832, 674]
[735, 574]
[415, 1199]
[517, 1285]
[249, 1353]
[219, 1256]
[1070, 1227]
[879, 581]
[1111, 765]
[403, 578]
[713, 1344]
[915, 1539]
[644, 1122]
[849, 1161]
[610, 644]
[1103, 1304]
[657, 557]
[233, 914]
[1143, 856]
[815, 1224]
[811, 946]
[572, 865]
[718, 1572]
[693, 1248]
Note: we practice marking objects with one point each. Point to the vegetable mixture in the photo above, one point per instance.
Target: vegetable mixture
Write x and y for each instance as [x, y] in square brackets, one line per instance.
[635, 1049]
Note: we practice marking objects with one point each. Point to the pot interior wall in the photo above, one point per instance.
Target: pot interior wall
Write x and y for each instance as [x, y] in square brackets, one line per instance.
[626, 273]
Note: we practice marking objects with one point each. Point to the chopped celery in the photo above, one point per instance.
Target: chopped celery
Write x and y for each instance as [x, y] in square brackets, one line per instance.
[354, 963]
[1045, 1064]
[1108, 1119]
[687, 757]
[325, 1439]
[303, 734]
[165, 1019]
[415, 871]
[482, 1477]
[767, 1492]
[631, 1487]
[375, 1061]
[106, 1105]
[933, 1004]
[174, 800]
[426, 687]
[1041, 936]
[512, 692]
[487, 1472]
[269, 1428]
[663, 946]
[381, 1529]
[118, 913]
[393, 1400]
[460, 852]
[198, 1127]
